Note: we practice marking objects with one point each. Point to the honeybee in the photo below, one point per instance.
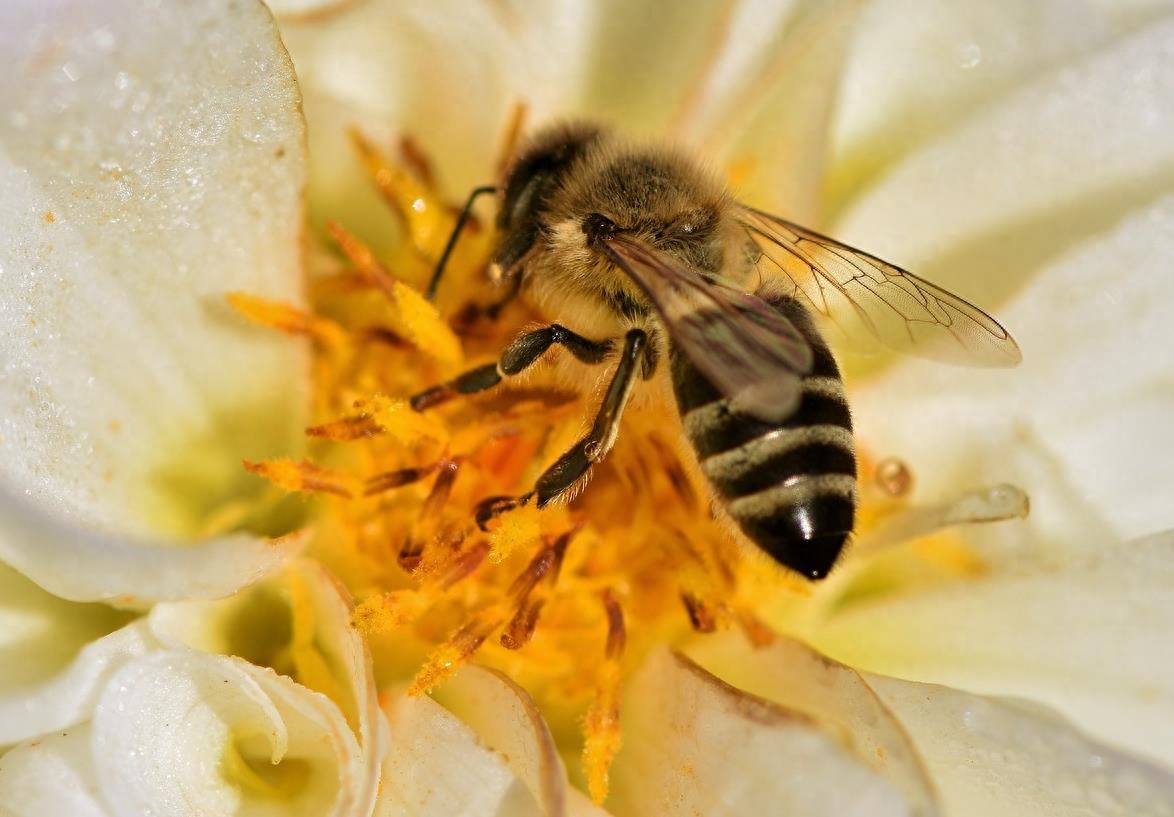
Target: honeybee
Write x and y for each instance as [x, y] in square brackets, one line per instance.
[646, 262]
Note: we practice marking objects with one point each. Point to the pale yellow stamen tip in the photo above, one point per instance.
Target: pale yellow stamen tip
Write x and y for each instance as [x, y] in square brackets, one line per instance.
[305, 476]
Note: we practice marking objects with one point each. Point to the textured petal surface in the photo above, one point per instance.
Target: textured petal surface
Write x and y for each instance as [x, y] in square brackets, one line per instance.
[694, 745]
[506, 719]
[298, 621]
[178, 727]
[991, 756]
[916, 70]
[772, 127]
[834, 696]
[151, 162]
[437, 767]
[52, 775]
[983, 207]
[1089, 639]
[1077, 425]
[57, 656]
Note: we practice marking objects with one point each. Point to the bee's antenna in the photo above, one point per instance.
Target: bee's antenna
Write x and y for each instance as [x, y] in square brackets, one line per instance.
[463, 219]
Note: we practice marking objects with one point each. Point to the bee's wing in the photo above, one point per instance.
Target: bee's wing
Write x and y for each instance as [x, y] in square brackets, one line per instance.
[745, 347]
[851, 289]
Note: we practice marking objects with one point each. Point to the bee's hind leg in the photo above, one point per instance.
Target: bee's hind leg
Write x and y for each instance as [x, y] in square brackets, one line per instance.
[517, 357]
[575, 463]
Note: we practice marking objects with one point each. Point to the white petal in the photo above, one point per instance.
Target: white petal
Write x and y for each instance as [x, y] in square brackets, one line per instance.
[918, 68]
[991, 756]
[442, 72]
[693, 745]
[773, 117]
[1062, 157]
[57, 655]
[1078, 424]
[504, 716]
[302, 618]
[53, 775]
[82, 564]
[1089, 639]
[644, 61]
[176, 728]
[303, 8]
[437, 768]
[796, 677]
[151, 162]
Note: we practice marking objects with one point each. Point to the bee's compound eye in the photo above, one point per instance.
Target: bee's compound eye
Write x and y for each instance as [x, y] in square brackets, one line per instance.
[598, 227]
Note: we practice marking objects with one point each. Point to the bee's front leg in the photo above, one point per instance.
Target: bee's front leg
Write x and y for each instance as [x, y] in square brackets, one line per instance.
[516, 358]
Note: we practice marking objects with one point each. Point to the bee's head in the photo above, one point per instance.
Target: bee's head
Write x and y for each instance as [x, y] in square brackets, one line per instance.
[535, 173]
[658, 196]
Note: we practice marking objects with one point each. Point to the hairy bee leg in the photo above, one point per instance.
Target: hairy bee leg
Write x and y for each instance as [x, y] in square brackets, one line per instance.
[462, 220]
[571, 466]
[516, 358]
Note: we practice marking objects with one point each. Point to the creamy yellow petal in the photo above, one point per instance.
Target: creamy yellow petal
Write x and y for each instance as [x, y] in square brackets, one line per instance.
[437, 767]
[506, 719]
[1069, 154]
[1080, 425]
[796, 677]
[50, 776]
[151, 163]
[918, 69]
[178, 727]
[298, 620]
[694, 745]
[1089, 638]
[766, 110]
[58, 656]
[1010, 758]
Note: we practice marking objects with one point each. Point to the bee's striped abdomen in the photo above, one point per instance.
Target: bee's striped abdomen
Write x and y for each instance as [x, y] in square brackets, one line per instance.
[790, 486]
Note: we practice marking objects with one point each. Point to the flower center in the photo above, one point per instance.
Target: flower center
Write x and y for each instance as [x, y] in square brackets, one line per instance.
[420, 511]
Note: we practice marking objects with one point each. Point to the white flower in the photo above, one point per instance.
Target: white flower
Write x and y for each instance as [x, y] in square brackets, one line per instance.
[151, 161]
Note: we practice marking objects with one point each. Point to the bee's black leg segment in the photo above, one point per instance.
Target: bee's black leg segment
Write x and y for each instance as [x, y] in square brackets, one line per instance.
[517, 357]
[574, 464]
[462, 220]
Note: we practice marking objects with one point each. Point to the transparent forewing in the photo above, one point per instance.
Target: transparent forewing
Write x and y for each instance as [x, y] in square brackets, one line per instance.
[745, 347]
[860, 294]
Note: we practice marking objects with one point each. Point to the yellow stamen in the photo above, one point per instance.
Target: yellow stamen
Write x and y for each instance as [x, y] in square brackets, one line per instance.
[305, 476]
[602, 723]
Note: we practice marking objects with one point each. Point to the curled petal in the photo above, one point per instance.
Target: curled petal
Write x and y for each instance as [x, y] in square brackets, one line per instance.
[58, 656]
[506, 719]
[177, 727]
[151, 163]
[1000, 756]
[1089, 639]
[706, 748]
[437, 767]
[82, 564]
[52, 775]
[298, 620]
[834, 696]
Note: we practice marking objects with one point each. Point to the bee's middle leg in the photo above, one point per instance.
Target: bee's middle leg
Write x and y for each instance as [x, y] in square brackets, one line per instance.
[517, 357]
[574, 464]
